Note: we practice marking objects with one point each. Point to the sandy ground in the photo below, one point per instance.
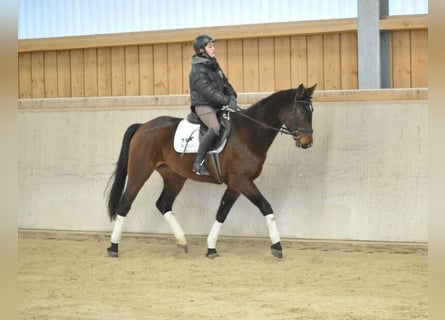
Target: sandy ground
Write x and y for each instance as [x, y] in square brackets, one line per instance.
[69, 276]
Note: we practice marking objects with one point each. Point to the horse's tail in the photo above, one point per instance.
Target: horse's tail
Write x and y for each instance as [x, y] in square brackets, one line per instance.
[120, 174]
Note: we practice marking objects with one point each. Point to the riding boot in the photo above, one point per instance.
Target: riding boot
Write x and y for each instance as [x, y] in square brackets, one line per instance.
[204, 146]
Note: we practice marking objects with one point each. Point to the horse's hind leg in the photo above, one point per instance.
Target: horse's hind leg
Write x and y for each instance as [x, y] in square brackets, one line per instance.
[173, 184]
[134, 185]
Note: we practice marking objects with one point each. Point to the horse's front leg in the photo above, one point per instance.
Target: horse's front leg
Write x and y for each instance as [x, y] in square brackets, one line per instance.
[249, 189]
[173, 184]
[226, 204]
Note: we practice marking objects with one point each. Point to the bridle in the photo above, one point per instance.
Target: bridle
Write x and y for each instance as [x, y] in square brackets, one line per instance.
[298, 129]
[283, 129]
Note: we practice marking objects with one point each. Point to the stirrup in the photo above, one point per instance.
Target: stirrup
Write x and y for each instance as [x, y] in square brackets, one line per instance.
[201, 169]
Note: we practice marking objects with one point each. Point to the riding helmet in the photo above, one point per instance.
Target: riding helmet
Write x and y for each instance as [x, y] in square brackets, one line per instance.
[201, 41]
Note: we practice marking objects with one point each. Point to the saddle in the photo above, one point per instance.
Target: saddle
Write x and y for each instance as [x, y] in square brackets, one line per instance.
[191, 129]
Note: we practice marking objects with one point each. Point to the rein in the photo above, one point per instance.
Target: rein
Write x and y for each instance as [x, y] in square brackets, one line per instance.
[283, 129]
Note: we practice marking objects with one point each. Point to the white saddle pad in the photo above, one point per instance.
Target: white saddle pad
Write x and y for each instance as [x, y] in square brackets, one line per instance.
[187, 138]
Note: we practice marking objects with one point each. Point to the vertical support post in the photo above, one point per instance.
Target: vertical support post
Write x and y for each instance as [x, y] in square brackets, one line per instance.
[373, 46]
[385, 56]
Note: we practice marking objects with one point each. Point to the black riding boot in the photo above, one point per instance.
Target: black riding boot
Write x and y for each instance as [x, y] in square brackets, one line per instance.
[204, 146]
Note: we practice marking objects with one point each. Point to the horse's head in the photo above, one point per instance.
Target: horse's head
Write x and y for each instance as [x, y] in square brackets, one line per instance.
[299, 119]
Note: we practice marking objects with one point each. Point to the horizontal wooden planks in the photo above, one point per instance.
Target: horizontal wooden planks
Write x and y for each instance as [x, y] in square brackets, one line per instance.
[258, 64]
[245, 99]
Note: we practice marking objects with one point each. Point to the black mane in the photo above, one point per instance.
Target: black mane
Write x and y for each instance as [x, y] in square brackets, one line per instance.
[283, 94]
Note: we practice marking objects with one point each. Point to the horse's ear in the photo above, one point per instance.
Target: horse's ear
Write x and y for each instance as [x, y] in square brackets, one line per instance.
[310, 91]
[300, 91]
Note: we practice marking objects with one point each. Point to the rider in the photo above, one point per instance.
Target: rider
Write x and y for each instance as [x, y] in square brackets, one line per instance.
[210, 90]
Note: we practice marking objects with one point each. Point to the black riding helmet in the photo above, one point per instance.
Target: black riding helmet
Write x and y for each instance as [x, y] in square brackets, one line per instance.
[201, 41]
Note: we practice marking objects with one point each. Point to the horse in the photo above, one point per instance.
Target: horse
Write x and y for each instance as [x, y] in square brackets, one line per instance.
[148, 147]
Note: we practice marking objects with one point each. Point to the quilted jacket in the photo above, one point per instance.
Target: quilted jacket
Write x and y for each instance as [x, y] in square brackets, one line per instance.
[208, 84]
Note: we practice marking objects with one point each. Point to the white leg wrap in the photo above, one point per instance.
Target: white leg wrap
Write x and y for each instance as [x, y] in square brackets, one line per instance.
[273, 229]
[213, 235]
[176, 227]
[117, 231]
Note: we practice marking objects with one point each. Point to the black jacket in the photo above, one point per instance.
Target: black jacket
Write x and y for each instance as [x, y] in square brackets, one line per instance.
[208, 84]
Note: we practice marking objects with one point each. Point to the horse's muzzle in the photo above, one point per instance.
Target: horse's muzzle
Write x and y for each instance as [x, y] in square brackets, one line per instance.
[306, 145]
[304, 142]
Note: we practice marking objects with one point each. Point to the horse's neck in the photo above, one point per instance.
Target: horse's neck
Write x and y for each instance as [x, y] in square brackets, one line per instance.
[269, 115]
[266, 125]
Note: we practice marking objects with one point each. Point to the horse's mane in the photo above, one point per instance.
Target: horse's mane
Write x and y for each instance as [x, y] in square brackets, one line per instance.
[264, 101]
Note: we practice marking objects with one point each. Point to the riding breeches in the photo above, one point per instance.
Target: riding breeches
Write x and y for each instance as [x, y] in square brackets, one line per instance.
[208, 116]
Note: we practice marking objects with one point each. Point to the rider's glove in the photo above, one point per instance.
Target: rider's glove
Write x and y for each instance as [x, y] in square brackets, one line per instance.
[233, 104]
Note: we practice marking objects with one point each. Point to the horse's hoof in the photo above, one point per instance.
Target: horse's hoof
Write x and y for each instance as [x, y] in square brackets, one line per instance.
[212, 254]
[113, 250]
[184, 247]
[277, 250]
[277, 253]
[112, 253]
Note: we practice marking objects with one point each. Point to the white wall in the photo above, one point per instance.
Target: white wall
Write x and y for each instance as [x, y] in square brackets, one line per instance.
[365, 178]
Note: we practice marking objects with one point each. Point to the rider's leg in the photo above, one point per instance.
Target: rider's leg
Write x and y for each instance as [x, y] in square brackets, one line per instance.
[208, 116]
[204, 146]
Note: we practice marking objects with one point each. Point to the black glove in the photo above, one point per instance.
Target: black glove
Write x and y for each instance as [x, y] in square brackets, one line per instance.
[233, 104]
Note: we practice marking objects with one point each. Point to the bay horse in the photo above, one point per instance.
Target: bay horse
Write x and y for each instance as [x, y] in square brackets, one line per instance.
[149, 146]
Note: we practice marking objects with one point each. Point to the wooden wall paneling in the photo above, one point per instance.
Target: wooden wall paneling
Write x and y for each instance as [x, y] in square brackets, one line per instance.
[348, 61]
[91, 79]
[146, 70]
[117, 71]
[174, 68]
[250, 62]
[187, 53]
[391, 67]
[282, 63]
[401, 59]
[132, 71]
[104, 86]
[160, 69]
[63, 73]
[315, 60]
[298, 61]
[25, 83]
[77, 73]
[53, 68]
[50, 74]
[266, 59]
[419, 58]
[331, 61]
[38, 74]
[223, 61]
[221, 54]
[235, 64]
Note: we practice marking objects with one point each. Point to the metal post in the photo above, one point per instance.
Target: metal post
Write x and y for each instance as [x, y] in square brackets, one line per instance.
[373, 47]
[385, 61]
